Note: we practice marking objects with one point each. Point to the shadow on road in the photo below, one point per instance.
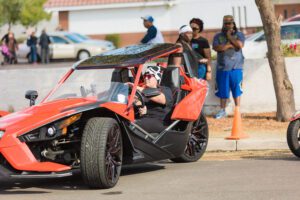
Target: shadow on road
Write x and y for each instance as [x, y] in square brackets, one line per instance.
[75, 182]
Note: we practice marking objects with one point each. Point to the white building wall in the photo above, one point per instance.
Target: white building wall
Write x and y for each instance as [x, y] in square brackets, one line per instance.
[258, 96]
[167, 18]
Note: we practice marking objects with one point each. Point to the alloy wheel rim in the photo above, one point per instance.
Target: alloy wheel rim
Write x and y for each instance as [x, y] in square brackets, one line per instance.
[197, 140]
[113, 155]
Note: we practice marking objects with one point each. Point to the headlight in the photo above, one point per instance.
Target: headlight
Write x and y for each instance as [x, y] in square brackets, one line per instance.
[50, 131]
[1, 134]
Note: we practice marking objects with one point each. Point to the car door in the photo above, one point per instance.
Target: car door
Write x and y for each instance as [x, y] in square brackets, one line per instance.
[62, 48]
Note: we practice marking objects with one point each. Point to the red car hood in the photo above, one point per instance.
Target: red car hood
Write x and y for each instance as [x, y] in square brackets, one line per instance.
[36, 116]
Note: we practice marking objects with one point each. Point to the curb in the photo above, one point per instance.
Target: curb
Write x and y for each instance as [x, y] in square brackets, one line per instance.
[219, 144]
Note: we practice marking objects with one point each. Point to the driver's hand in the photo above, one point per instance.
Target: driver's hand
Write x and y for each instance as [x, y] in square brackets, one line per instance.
[130, 84]
[137, 101]
[143, 111]
[140, 88]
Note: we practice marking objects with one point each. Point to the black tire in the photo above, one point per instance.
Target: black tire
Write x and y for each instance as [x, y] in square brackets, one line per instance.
[197, 142]
[83, 52]
[101, 153]
[293, 137]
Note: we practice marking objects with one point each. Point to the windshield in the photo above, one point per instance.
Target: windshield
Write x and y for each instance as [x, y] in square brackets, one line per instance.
[254, 36]
[73, 38]
[82, 37]
[93, 84]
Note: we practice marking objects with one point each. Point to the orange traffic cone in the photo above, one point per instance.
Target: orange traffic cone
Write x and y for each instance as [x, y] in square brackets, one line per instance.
[237, 130]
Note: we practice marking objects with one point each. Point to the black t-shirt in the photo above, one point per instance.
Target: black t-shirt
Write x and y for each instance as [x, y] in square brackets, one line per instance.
[159, 111]
[199, 45]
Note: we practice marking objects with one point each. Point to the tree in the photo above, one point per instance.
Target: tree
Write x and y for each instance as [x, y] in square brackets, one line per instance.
[33, 12]
[10, 11]
[282, 85]
[27, 12]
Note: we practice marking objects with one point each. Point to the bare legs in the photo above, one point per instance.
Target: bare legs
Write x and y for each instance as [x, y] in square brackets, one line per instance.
[237, 102]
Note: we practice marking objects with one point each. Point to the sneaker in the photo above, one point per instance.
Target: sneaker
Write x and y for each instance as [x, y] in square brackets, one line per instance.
[221, 114]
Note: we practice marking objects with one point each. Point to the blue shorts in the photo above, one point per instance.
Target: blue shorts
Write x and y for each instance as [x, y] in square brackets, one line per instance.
[202, 71]
[229, 80]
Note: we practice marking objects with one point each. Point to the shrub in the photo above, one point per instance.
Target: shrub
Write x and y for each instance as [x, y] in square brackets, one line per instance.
[114, 38]
[290, 50]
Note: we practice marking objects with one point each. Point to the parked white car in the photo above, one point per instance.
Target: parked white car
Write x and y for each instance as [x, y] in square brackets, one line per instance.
[256, 46]
[65, 45]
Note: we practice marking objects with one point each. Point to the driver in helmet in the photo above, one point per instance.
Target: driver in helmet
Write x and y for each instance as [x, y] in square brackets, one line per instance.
[154, 116]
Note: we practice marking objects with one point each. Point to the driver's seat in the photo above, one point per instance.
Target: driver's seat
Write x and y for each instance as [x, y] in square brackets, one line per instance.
[171, 78]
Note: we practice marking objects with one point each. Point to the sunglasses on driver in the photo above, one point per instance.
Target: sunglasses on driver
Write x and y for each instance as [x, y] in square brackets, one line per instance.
[148, 76]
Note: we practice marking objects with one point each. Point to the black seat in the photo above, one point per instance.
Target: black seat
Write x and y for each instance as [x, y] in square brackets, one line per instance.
[171, 78]
[120, 75]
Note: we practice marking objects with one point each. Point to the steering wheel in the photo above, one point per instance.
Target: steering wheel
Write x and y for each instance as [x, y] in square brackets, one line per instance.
[140, 97]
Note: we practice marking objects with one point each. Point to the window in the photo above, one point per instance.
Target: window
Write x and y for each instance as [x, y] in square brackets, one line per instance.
[290, 32]
[261, 38]
[73, 38]
[285, 14]
[58, 40]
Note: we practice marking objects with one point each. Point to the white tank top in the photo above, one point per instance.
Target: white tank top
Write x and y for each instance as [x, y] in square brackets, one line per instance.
[158, 38]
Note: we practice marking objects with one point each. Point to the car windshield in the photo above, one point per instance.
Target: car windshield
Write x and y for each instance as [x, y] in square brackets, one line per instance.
[100, 85]
[82, 37]
[73, 38]
[254, 36]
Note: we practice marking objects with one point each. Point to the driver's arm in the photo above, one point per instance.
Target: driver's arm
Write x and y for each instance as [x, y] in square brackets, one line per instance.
[161, 99]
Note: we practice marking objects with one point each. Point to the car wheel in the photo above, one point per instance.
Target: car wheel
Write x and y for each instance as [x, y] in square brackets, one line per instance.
[83, 55]
[197, 142]
[101, 153]
[293, 137]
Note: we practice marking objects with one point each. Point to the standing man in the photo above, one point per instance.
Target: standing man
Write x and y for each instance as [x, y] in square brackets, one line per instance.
[32, 42]
[230, 60]
[44, 43]
[153, 34]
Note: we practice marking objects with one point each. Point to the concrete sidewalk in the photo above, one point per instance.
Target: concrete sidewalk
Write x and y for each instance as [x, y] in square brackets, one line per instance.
[255, 141]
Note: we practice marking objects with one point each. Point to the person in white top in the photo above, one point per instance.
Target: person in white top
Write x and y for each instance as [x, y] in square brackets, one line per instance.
[153, 35]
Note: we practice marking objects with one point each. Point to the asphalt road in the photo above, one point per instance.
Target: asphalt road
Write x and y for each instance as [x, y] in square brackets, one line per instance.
[252, 175]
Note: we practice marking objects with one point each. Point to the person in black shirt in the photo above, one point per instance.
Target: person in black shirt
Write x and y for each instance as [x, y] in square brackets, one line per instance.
[201, 47]
[44, 43]
[32, 42]
[5, 37]
[154, 115]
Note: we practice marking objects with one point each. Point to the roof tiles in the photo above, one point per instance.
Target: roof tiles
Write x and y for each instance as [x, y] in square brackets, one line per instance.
[71, 3]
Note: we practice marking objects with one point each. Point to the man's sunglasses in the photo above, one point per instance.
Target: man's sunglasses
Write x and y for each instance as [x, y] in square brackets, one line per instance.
[228, 23]
[148, 76]
[195, 29]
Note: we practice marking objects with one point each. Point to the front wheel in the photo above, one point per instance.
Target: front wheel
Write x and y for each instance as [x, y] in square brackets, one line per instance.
[83, 54]
[293, 137]
[101, 153]
[197, 142]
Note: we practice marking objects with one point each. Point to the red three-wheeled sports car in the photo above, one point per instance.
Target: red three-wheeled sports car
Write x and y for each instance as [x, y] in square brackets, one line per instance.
[87, 121]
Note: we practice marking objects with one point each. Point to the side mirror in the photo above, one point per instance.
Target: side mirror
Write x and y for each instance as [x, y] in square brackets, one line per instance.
[32, 95]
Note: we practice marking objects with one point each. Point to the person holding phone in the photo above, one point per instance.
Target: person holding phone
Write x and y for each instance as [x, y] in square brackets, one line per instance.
[230, 60]
[201, 46]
